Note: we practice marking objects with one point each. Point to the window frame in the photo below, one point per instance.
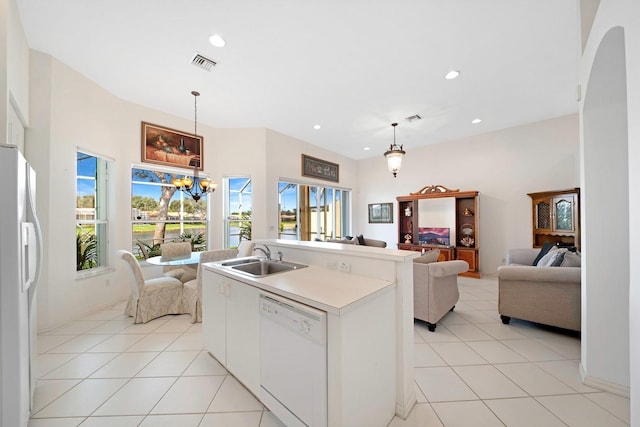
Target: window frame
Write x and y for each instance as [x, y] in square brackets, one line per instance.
[182, 220]
[227, 220]
[341, 218]
[102, 210]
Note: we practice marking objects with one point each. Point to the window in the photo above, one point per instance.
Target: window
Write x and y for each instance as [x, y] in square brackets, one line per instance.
[160, 213]
[92, 225]
[237, 207]
[309, 212]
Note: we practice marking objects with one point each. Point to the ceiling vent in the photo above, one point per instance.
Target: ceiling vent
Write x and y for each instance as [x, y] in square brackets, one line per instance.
[414, 118]
[203, 62]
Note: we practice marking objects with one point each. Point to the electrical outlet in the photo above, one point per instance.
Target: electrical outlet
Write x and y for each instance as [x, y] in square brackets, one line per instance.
[343, 266]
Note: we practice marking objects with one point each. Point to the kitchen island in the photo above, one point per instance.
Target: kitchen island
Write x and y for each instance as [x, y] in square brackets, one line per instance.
[360, 376]
[369, 303]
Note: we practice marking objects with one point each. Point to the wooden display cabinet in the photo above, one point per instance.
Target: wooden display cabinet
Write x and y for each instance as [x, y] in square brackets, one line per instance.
[446, 253]
[466, 247]
[556, 217]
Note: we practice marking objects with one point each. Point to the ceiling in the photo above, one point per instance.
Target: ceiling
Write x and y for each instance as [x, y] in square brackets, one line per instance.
[351, 66]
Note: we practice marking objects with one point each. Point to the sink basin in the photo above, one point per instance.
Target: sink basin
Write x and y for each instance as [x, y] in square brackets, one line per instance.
[239, 261]
[266, 268]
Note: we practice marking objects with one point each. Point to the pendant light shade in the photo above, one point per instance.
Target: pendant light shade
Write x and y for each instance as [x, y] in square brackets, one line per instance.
[394, 154]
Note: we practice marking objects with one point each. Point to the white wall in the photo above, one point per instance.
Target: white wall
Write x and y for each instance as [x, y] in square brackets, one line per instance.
[14, 70]
[18, 63]
[284, 162]
[611, 14]
[503, 166]
[606, 273]
[237, 152]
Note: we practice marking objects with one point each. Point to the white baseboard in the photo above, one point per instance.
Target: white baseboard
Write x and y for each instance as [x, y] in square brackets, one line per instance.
[603, 385]
[403, 409]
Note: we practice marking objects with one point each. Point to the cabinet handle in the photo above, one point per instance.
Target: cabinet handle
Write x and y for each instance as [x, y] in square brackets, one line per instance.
[223, 289]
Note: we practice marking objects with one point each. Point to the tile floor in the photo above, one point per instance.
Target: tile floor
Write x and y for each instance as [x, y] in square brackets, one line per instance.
[472, 371]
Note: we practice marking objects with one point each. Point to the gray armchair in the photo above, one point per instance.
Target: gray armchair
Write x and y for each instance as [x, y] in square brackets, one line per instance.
[435, 287]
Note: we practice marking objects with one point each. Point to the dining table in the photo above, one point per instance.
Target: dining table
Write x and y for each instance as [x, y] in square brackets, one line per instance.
[192, 260]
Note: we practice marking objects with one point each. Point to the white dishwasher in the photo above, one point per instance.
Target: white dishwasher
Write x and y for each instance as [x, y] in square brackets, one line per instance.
[293, 367]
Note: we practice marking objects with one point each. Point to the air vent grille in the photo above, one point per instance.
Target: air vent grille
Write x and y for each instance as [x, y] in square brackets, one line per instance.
[203, 62]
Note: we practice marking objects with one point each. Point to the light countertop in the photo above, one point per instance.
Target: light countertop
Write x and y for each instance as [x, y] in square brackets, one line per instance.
[328, 290]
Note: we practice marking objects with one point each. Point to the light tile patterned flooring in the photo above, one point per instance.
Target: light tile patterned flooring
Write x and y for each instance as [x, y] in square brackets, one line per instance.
[472, 371]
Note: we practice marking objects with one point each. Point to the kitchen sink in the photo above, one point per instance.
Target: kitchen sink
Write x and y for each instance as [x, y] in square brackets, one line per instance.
[266, 268]
[239, 261]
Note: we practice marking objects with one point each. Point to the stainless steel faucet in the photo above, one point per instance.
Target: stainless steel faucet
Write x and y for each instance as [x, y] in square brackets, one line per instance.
[265, 250]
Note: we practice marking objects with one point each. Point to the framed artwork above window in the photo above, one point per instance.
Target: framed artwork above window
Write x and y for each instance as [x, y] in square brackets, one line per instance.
[170, 147]
[320, 169]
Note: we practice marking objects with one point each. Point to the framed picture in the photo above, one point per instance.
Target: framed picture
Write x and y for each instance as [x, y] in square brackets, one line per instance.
[320, 169]
[171, 147]
[381, 213]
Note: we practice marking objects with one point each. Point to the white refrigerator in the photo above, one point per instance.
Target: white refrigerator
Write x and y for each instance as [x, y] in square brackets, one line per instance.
[20, 260]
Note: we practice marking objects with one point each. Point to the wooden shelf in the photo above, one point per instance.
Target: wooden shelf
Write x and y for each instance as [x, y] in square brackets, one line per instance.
[556, 217]
[466, 247]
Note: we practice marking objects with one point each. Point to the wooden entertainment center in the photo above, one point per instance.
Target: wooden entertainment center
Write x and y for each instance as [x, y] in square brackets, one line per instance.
[463, 218]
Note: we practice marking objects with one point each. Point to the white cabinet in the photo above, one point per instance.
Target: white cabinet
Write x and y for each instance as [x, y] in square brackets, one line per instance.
[231, 326]
[214, 315]
[361, 338]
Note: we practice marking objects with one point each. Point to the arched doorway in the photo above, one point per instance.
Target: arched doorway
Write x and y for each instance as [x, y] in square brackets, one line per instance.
[605, 232]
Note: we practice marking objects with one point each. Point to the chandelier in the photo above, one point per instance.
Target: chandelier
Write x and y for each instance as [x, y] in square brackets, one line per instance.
[195, 186]
[394, 154]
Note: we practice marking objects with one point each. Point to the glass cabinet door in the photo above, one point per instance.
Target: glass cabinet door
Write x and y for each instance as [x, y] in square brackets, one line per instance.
[564, 214]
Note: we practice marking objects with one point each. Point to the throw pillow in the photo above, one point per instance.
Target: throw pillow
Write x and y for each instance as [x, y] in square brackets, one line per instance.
[557, 259]
[360, 239]
[546, 247]
[428, 257]
[571, 259]
[546, 260]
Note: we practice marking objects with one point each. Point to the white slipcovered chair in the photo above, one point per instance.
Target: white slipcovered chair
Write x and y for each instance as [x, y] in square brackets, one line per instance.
[151, 298]
[192, 293]
[245, 248]
[175, 251]
[435, 287]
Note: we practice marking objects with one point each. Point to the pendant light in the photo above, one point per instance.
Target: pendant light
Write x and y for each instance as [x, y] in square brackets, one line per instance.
[394, 154]
[195, 186]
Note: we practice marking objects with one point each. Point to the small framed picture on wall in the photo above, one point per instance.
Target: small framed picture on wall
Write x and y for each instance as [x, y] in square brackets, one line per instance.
[381, 213]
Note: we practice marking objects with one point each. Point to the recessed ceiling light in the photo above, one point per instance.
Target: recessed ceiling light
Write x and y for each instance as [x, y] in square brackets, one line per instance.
[452, 74]
[476, 121]
[316, 127]
[367, 148]
[217, 40]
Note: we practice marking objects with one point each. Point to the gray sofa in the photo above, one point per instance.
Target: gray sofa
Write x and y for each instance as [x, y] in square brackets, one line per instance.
[367, 242]
[546, 295]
